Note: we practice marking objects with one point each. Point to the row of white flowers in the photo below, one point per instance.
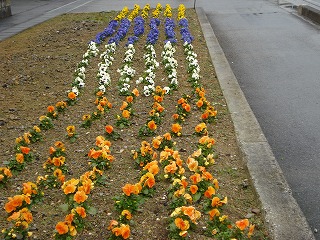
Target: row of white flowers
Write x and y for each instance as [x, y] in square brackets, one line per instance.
[103, 73]
[193, 65]
[170, 65]
[126, 71]
[149, 75]
[80, 72]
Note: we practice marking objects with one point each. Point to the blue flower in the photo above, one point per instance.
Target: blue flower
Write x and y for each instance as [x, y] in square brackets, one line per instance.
[153, 35]
[108, 31]
[132, 40]
[169, 30]
[138, 28]
[185, 33]
[122, 31]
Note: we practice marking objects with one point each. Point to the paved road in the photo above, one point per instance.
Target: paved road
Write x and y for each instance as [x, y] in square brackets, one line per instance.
[275, 56]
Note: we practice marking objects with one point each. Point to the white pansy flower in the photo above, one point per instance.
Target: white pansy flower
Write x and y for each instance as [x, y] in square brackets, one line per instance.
[102, 88]
[166, 89]
[75, 90]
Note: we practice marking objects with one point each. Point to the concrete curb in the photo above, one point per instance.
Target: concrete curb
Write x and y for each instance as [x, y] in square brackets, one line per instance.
[283, 216]
[309, 12]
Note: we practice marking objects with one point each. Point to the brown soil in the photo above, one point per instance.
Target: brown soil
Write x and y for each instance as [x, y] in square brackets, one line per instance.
[36, 70]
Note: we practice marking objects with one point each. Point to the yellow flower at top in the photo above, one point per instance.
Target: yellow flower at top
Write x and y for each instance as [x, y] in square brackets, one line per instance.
[157, 11]
[181, 12]
[134, 12]
[122, 14]
[168, 11]
[145, 11]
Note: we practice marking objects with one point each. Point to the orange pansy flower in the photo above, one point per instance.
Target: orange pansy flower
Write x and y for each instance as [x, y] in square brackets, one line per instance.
[200, 127]
[100, 108]
[199, 103]
[109, 129]
[126, 113]
[195, 178]
[205, 115]
[128, 189]
[125, 231]
[176, 128]
[80, 197]
[99, 93]
[193, 164]
[150, 181]
[50, 109]
[182, 224]
[99, 141]
[167, 136]
[129, 99]
[95, 154]
[81, 211]
[181, 101]
[184, 183]
[57, 172]
[24, 150]
[152, 125]
[156, 142]
[135, 92]
[29, 188]
[251, 229]
[214, 212]
[209, 192]
[171, 168]
[191, 212]
[62, 228]
[175, 116]
[206, 175]
[152, 167]
[158, 98]
[72, 95]
[242, 224]
[70, 188]
[124, 105]
[186, 107]
[19, 157]
[112, 224]
[193, 189]
[127, 214]
[217, 202]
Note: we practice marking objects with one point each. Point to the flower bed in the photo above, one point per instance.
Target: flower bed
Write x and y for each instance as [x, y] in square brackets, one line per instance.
[150, 113]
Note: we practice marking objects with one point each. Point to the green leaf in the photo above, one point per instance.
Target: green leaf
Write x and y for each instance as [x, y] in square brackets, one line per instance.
[197, 196]
[92, 211]
[64, 207]
[146, 191]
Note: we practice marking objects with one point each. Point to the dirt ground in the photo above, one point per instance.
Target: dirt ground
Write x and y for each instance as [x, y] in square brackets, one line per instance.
[36, 70]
